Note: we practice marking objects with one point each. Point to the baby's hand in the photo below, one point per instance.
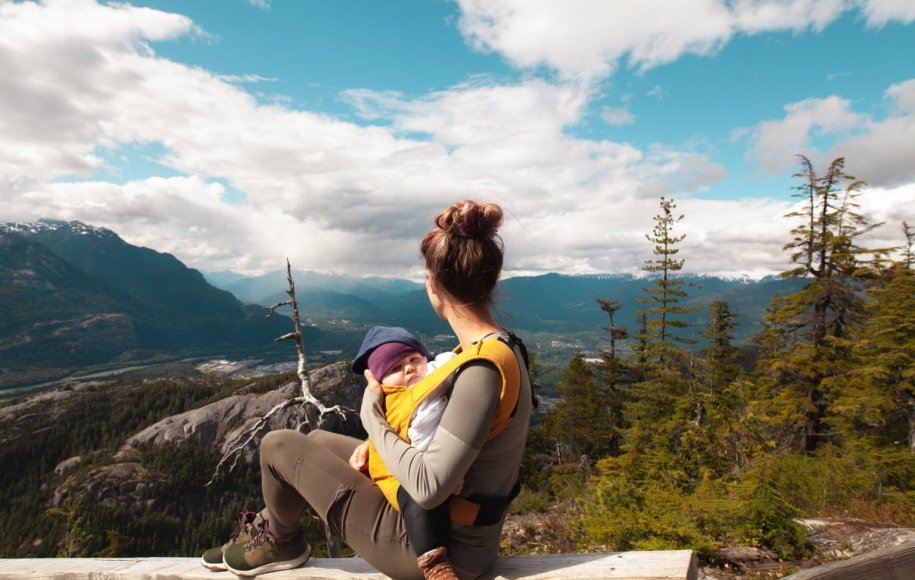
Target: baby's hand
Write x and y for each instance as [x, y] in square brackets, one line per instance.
[360, 457]
[458, 488]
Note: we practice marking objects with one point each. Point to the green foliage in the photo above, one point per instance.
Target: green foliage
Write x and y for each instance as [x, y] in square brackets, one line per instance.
[822, 425]
[530, 501]
[581, 423]
[770, 522]
[626, 514]
[176, 514]
[834, 481]
[808, 331]
[664, 322]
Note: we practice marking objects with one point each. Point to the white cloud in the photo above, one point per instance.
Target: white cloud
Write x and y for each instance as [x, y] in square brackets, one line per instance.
[880, 12]
[80, 80]
[880, 152]
[586, 39]
[657, 91]
[775, 144]
[884, 153]
[246, 79]
[583, 39]
[617, 116]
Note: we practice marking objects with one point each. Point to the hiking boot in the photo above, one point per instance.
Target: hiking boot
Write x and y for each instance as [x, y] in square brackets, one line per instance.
[242, 534]
[263, 553]
[435, 565]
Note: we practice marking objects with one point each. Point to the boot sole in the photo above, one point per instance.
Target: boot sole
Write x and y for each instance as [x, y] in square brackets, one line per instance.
[273, 566]
[220, 567]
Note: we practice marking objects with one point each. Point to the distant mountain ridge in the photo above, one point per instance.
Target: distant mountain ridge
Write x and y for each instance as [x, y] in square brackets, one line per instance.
[73, 295]
[548, 303]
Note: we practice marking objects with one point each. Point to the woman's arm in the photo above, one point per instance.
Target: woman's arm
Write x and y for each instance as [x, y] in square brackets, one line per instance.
[430, 476]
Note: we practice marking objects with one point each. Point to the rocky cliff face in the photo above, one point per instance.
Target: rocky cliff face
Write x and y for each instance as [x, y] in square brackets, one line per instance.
[219, 423]
[122, 479]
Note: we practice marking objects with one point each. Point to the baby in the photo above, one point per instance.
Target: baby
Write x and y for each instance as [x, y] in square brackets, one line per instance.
[397, 358]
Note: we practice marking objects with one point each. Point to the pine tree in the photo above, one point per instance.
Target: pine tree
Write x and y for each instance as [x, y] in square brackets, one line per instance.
[909, 233]
[720, 356]
[614, 373]
[667, 290]
[879, 390]
[808, 330]
[581, 421]
[721, 397]
[661, 409]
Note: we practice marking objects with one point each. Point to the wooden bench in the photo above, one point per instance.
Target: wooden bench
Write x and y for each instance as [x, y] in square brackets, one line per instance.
[658, 565]
[891, 563]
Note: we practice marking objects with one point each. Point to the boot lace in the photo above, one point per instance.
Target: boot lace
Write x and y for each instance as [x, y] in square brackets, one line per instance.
[245, 520]
[263, 535]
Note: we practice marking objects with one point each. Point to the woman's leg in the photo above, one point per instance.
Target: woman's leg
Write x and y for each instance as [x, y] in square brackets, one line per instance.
[314, 469]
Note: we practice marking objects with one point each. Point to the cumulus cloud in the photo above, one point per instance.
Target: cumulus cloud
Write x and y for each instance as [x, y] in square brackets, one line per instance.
[878, 151]
[81, 82]
[586, 39]
[775, 144]
[616, 116]
[884, 155]
[879, 12]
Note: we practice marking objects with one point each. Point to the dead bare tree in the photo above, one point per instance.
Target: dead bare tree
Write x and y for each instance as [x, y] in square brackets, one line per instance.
[313, 410]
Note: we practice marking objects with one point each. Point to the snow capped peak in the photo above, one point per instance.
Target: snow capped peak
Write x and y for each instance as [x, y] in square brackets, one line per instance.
[49, 225]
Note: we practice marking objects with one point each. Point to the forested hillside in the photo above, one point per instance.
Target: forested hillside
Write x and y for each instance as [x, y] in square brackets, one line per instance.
[668, 444]
[76, 482]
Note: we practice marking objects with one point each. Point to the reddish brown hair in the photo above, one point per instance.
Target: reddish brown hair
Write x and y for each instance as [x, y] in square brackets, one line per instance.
[463, 251]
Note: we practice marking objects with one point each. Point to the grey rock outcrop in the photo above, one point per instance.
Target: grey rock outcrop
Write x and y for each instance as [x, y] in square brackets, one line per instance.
[124, 480]
[218, 423]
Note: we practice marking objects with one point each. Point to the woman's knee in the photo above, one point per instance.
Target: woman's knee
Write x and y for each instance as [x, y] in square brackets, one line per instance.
[279, 443]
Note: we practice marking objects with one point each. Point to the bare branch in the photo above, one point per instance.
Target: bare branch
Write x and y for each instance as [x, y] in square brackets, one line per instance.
[313, 411]
[273, 308]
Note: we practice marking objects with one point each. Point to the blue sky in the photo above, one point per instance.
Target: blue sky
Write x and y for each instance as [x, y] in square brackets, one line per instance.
[237, 133]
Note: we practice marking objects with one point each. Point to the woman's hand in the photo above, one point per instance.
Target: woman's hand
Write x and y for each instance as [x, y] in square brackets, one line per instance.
[372, 383]
[372, 402]
[360, 457]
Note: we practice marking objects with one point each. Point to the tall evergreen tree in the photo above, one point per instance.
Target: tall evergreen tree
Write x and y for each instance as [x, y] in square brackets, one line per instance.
[660, 409]
[879, 390]
[721, 397]
[581, 421]
[667, 290]
[809, 329]
[720, 356]
[909, 233]
[614, 369]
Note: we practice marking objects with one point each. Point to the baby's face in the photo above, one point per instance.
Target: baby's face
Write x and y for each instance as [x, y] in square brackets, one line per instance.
[408, 371]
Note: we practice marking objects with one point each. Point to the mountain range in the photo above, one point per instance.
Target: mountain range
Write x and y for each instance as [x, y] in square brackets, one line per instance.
[73, 296]
[557, 304]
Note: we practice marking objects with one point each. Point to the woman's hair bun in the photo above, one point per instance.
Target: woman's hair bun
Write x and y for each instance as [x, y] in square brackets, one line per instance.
[471, 219]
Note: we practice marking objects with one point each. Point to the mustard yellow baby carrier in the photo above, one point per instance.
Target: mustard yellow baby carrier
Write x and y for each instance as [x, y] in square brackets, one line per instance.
[401, 402]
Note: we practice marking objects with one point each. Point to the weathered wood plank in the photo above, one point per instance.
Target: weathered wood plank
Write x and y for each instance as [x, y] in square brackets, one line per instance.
[892, 563]
[659, 565]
